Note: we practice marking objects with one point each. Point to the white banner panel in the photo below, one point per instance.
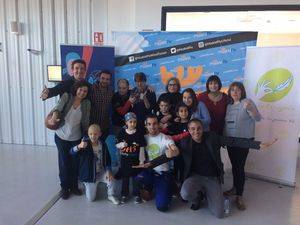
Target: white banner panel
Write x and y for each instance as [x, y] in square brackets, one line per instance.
[272, 81]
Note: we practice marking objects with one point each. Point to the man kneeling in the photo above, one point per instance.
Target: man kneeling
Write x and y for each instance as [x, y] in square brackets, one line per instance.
[203, 168]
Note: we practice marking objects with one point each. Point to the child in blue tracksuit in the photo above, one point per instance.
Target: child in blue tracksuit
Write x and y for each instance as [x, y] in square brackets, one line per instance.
[95, 164]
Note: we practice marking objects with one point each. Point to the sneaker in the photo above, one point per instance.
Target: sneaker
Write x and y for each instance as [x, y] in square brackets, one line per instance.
[113, 199]
[198, 201]
[65, 194]
[240, 204]
[123, 199]
[76, 191]
[137, 200]
[196, 206]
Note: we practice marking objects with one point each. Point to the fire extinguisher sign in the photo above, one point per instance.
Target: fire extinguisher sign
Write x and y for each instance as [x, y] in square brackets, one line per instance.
[98, 38]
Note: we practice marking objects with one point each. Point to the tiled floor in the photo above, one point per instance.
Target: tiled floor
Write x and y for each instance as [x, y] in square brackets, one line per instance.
[29, 179]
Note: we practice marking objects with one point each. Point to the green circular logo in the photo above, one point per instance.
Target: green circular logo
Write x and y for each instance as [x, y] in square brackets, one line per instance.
[153, 151]
[274, 85]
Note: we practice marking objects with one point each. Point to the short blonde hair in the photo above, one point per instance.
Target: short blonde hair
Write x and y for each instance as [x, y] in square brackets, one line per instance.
[95, 127]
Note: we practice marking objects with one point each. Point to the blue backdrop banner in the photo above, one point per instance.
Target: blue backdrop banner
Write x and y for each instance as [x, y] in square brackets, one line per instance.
[190, 56]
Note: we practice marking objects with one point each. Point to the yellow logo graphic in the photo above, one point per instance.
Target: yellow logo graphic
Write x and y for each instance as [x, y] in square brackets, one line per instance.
[193, 75]
[274, 85]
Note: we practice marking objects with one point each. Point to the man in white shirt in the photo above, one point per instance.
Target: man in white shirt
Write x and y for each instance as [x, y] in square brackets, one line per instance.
[159, 177]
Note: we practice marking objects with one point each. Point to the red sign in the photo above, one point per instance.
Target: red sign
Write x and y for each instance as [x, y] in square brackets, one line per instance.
[98, 38]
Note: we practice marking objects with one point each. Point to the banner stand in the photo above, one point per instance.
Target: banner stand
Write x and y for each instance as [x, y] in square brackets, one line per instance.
[271, 81]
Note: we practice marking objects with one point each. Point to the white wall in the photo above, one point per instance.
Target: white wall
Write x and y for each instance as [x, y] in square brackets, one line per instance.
[47, 24]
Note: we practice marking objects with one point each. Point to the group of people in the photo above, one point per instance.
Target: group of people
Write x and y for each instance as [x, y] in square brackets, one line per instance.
[167, 146]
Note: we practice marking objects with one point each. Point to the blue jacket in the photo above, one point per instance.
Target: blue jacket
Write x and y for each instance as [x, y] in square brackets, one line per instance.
[202, 114]
[87, 161]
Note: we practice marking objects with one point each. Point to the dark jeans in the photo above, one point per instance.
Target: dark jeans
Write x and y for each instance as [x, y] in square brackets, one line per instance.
[162, 184]
[125, 187]
[68, 164]
[238, 158]
[126, 172]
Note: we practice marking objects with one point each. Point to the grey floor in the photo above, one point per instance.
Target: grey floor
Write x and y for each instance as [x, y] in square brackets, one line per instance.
[29, 181]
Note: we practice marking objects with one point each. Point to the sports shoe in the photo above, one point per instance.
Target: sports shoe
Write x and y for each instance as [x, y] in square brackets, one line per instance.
[198, 201]
[76, 191]
[113, 199]
[137, 200]
[196, 206]
[65, 194]
[123, 199]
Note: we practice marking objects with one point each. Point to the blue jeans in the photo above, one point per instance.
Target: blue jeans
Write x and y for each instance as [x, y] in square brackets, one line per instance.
[68, 164]
[162, 184]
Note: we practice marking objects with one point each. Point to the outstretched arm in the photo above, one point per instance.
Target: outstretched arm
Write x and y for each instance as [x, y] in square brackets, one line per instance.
[245, 143]
[171, 152]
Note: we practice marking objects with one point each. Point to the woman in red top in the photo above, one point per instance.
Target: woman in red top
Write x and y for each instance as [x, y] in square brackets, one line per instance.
[216, 103]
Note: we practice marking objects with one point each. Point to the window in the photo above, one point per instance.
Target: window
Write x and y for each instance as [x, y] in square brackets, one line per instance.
[276, 25]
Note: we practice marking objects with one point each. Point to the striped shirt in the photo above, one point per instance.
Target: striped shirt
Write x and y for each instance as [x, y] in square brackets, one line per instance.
[101, 103]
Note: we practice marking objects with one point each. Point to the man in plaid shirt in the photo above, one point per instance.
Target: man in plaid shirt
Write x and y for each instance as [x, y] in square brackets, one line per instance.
[101, 97]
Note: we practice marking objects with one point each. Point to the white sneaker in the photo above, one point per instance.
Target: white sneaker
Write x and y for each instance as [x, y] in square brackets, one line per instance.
[113, 199]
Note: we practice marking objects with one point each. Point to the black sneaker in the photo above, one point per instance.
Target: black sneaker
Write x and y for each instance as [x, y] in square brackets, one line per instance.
[198, 201]
[123, 199]
[196, 206]
[137, 200]
[65, 194]
[76, 191]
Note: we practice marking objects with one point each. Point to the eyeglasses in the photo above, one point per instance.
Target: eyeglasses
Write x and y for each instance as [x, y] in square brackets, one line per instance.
[172, 84]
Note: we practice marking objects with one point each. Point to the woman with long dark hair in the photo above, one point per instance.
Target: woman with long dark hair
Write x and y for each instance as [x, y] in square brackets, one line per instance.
[196, 109]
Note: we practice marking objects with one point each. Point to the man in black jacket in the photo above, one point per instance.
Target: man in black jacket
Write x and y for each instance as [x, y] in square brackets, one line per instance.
[203, 168]
[78, 68]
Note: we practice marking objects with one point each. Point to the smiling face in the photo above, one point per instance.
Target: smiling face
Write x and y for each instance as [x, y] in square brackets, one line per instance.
[82, 92]
[196, 130]
[94, 134]
[78, 71]
[173, 86]
[152, 126]
[183, 112]
[187, 99]
[213, 86]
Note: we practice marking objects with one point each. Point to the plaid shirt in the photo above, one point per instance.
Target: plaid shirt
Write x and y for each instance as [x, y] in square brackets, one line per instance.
[101, 103]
